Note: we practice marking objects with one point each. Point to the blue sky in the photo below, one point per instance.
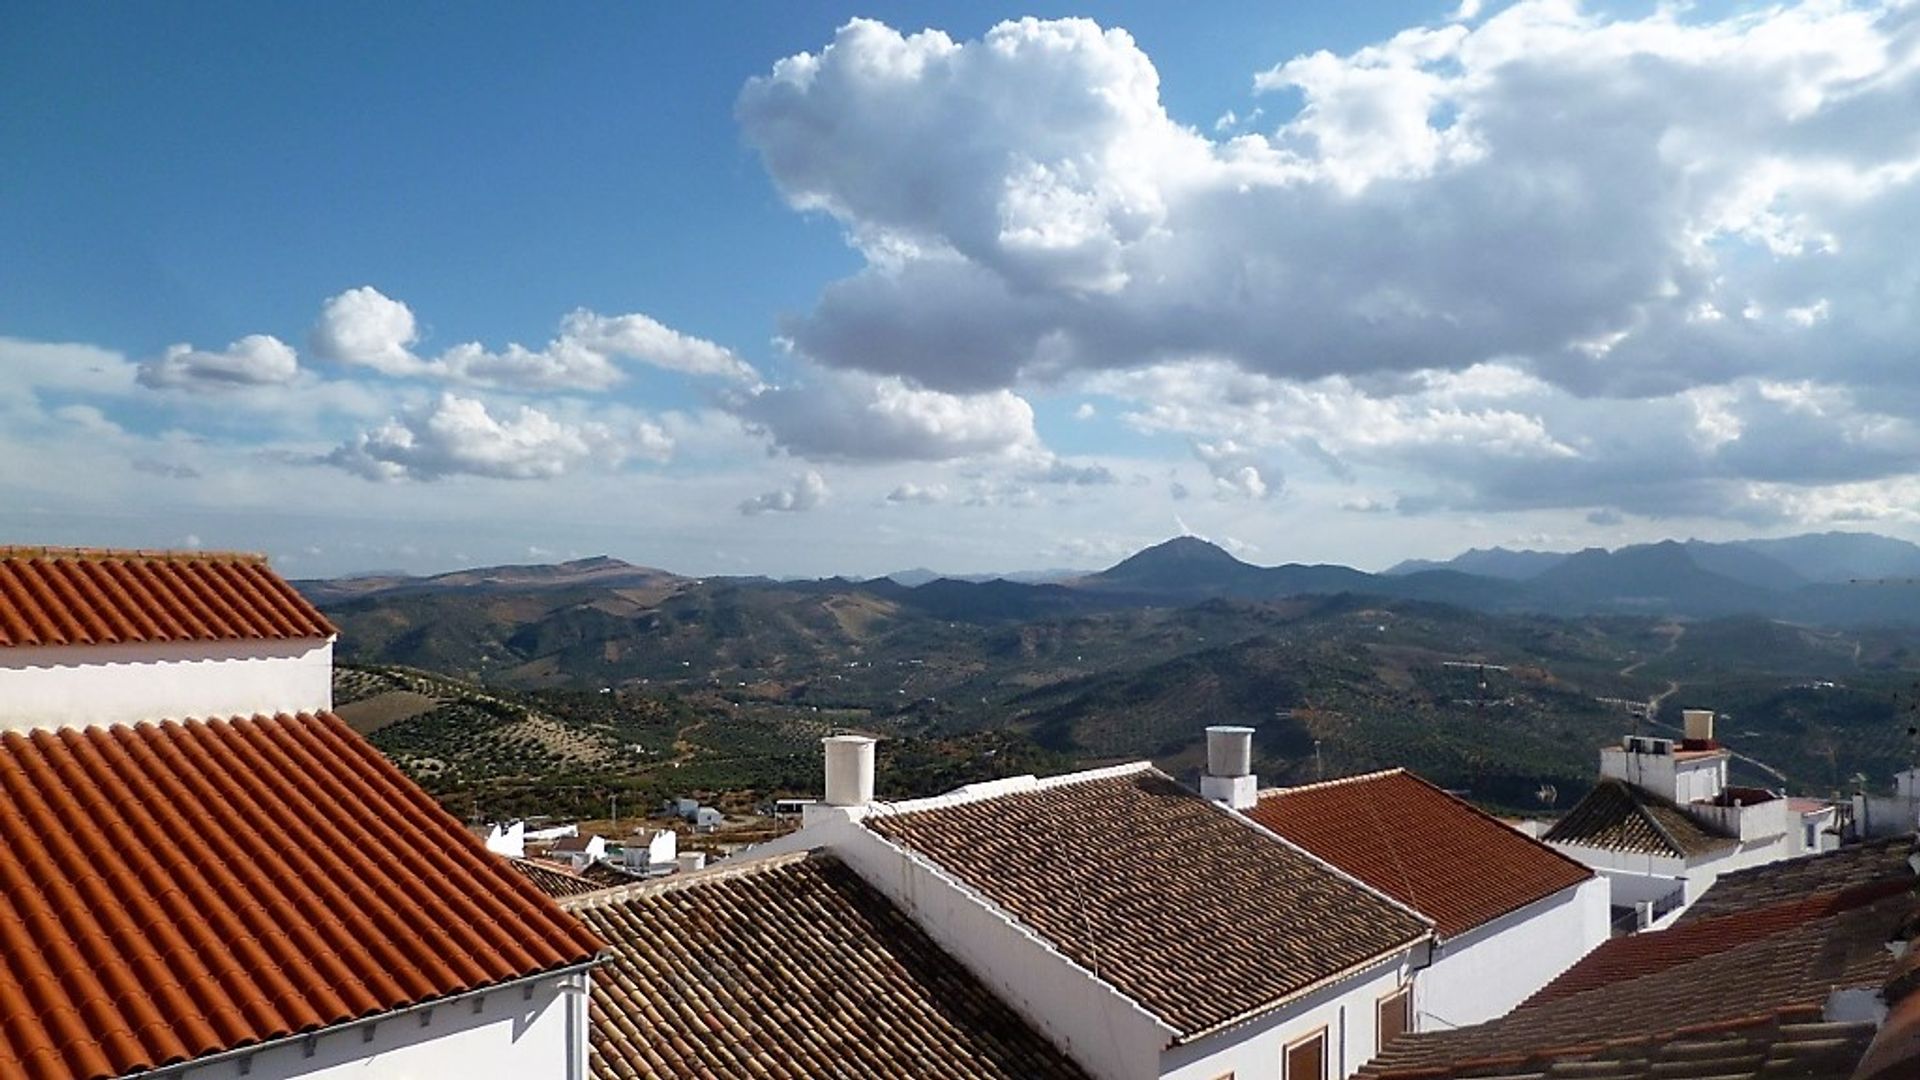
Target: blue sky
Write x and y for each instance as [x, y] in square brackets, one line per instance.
[1346, 283]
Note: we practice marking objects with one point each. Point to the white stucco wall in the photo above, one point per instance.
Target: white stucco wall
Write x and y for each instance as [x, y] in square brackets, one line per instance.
[83, 685]
[1490, 969]
[510, 1034]
[1252, 1051]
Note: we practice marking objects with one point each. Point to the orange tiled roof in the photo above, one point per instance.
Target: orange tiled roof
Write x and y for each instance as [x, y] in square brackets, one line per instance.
[84, 596]
[173, 890]
[788, 968]
[1421, 846]
[1198, 917]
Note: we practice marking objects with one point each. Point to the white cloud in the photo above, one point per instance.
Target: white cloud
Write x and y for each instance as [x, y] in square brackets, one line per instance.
[1236, 471]
[805, 492]
[1085, 411]
[254, 360]
[458, 436]
[847, 416]
[364, 327]
[1511, 191]
[925, 494]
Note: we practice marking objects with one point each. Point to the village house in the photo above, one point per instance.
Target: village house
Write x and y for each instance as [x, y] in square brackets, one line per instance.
[194, 853]
[1663, 823]
[1780, 971]
[1144, 929]
[1509, 912]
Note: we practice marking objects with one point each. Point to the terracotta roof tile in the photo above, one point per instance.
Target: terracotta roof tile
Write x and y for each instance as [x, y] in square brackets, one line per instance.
[1717, 982]
[1617, 816]
[173, 890]
[1761, 886]
[791, 967]
[1420, 845]
[553, 879]
[1190, 912]
[73, 596]
[1795, 1046]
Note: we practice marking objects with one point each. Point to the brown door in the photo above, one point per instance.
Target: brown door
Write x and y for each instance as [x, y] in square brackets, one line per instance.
[1307, 1059]
[1395, 1016]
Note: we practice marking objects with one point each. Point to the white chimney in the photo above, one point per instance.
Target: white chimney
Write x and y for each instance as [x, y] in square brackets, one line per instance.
[1699, 724]
[1229, 777]
[691, 860]
[849, 770]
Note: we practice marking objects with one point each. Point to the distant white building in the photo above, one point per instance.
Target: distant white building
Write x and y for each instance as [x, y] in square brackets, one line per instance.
[1878, 815]
[1663, 823]
[1150, 933]
[509, 840]
[651, 850]
[577, 851]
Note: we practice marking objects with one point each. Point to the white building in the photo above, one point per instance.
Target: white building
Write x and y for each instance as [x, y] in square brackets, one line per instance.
[1144, 930]
[215, 897]
[1510, 913]
[1663, 823]
[99, 637]
[651, 849]
[577, 851]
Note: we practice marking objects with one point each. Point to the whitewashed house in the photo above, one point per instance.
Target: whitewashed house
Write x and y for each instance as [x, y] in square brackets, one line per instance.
[1510, 913]
[196, 853]
[650, 850]
[1146, 931]
[509, 839]
[578, 852]
[1663, 823]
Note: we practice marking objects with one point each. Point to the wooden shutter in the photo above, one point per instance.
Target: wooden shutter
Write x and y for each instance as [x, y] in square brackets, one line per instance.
[1394, 1017]
[1307, 1059]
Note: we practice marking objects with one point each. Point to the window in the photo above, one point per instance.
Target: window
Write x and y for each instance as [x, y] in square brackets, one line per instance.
[1307, 1059]
[1393, 1016]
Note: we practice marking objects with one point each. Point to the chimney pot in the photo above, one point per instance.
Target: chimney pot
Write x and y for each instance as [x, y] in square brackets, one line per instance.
[849, 770]
[1229, 751]
[1699, 725]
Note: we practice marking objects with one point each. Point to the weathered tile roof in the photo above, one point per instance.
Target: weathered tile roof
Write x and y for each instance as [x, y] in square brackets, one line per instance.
[78, 596]
[1420, 845]
[1857, 864]
[173, 890]
[1617, 816]
[1895, 1053]
[1638, 955]
[1780, 972]
[790, 968]
[1792, 1045]
[553, 879]
[1184, 908]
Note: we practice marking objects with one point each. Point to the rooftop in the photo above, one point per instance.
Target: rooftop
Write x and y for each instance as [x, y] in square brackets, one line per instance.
[552, 878]
[790, 967]
[1185, 908]
[1420, 845]
[173, 890]
[85, 596]
[1741, 989]
[1616, 816]
[1759, 886]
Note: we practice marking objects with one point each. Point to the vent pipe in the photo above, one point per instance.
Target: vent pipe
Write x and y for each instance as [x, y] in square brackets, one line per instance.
[1229, 777]
[1699, 724]
[849, 770]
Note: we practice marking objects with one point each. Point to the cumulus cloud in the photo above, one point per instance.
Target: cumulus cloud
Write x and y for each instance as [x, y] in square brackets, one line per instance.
[848, 416]
[924, 494]
[804, 492]
[1236, 471]
[458, 436]
[254, 360]
[364, 327]
[1569, 192]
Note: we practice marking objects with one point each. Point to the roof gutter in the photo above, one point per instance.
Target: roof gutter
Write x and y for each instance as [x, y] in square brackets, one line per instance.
[179, 1069]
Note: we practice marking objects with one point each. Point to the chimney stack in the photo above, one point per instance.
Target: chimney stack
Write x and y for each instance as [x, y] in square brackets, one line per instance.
[849, 770]
[1229, 777]
[1699, 728]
